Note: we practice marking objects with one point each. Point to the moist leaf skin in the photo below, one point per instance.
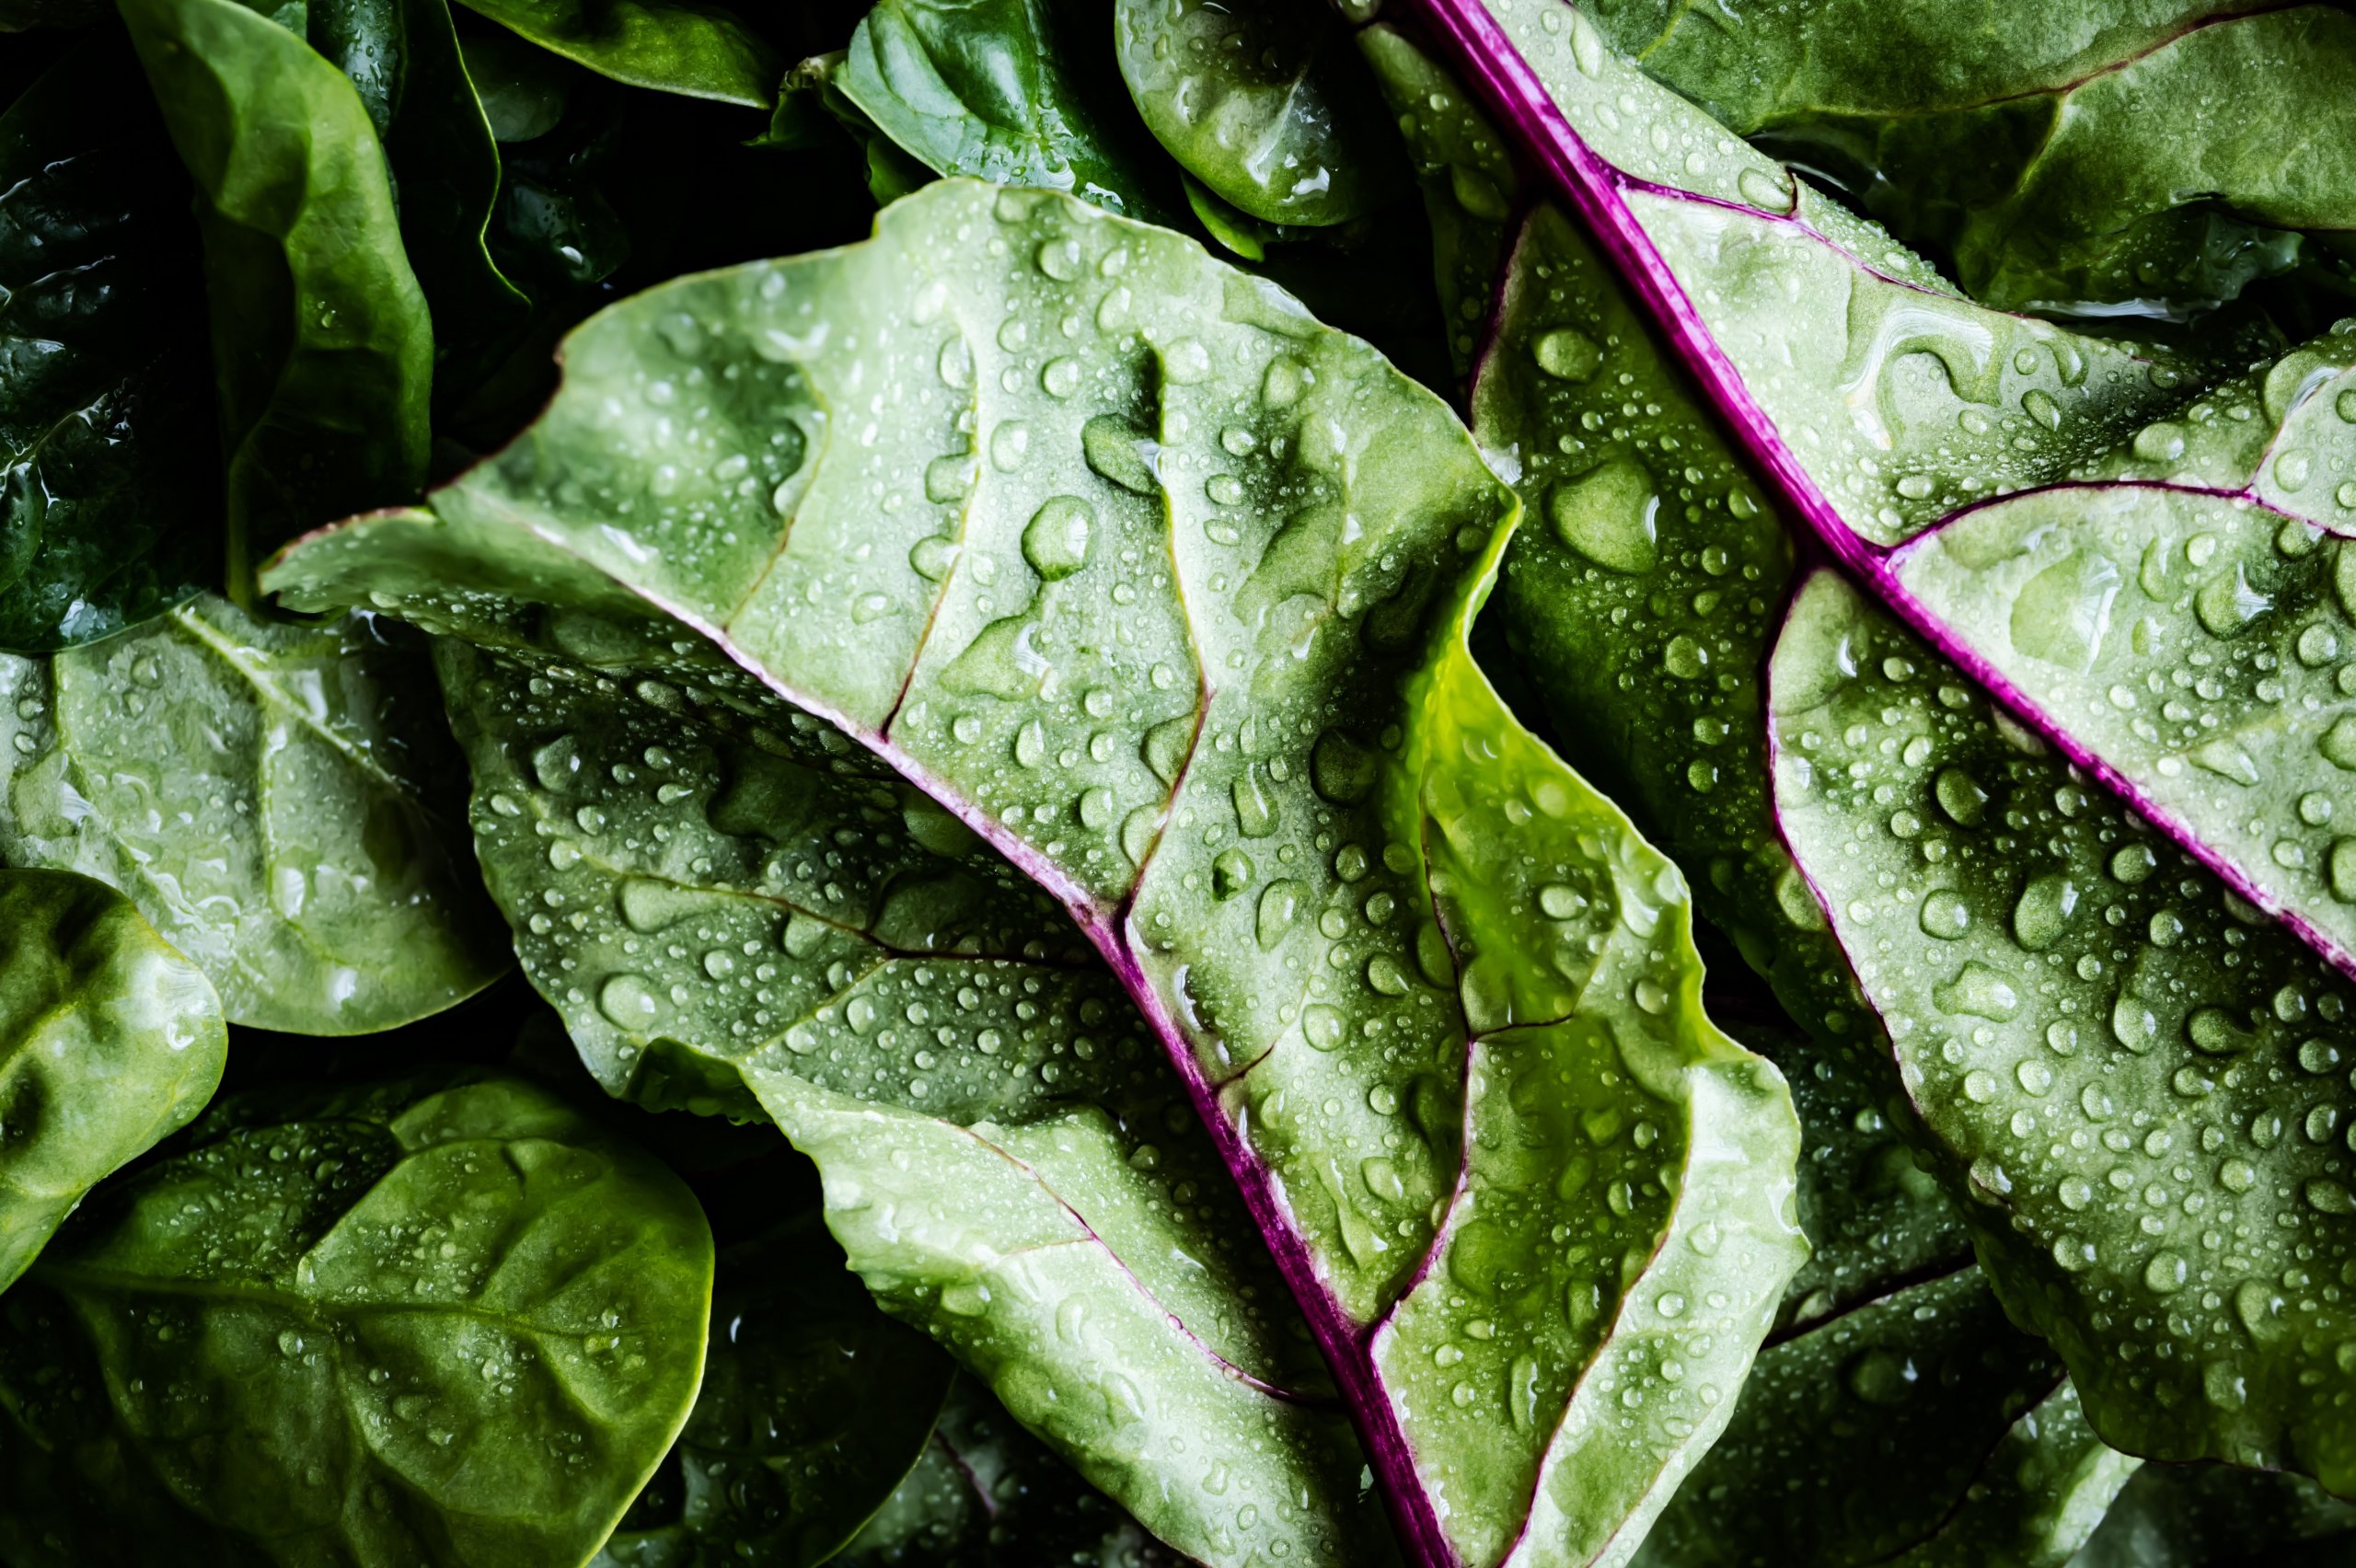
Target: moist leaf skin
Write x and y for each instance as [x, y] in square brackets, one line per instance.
[813, 1407]
[1956, 1439]
[995, 91]
[321, 345]
[108, 1042]
[2137, 1074]
[2033, 144]
[786, 930]
[107, 511]
[441, 1323]
[276, 799]
[671, 46]
[1260, 103]
[2202, 1515]
[1172, 615]
[1878, 403]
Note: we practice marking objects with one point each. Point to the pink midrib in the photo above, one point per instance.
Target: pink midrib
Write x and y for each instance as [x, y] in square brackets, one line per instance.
[1487, 59]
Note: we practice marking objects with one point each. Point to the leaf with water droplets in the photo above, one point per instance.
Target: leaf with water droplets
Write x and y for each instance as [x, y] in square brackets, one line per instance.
[1258, 674]
[1264, 105]
[2126, 1121]
[2194, 1515]
[280, 801]
[672, 46]
[1918, 1427]
[110, 1040]
[456, 1292]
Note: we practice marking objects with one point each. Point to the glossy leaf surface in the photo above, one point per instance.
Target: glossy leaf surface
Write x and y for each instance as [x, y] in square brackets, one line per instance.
[2140, 1078]
[1954, 1437]
[1187, 592]
[1262, 104]
[813, 1409]
[673, 46]
[737, 911]
[2148, 157]
[108, 515]
[277, 800]
[996, 90]
[108, 1040]
[321, 344]
[424, 1323]
[2210, 1516]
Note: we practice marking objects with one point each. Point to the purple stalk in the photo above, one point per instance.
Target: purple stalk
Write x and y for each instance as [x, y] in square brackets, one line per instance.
[1486, 59]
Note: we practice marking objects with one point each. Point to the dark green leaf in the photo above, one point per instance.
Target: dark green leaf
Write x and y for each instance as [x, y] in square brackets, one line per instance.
[110, 511]
[279, 801]
[108, 1040]
[1172, 610]
[439, 1323]
[320, 338]
[814, 1407]
[2213, 1517]
[673, 46]
[1264, 104]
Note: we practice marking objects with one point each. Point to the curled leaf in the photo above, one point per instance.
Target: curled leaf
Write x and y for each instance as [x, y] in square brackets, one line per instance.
[673, 46]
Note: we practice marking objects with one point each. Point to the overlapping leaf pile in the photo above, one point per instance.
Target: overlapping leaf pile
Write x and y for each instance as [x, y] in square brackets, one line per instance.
[981, 735]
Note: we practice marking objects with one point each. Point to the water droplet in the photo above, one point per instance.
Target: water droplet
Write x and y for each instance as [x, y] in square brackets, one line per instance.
[1115, 452]
[1961, 796]
[1607, 515]
[1945, 915]
[1568, 354]
[1685, 658]
[1320, 1024]
[2165, 1273]
[2038, 405]
[1279, 906]
[1255, 810]
[1057, 538]
[2291, 468]
[1769, 191]
[1979, 991]
[630, 1001]
[2214, 1031]
[1882, 1377]
[1232, 872]
[2044, 911]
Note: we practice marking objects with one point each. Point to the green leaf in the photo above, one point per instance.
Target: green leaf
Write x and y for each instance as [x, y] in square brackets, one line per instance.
[270, 797]
[108, 515]
[770, 924]
[2138, 1075]
[1171, 611]
[985, 1491]
[2157, 156]
[995, 90]
[108, 1040]
[1918, 1428]
[813, 1409]
[442, 1323]
[2198, 1516]
[673, 46]
[1262, 104]
[320, 338]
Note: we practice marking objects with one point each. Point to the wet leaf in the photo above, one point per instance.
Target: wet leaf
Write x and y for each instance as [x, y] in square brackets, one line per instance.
[108, 1040]
[674, 46]
[276, 799]
[442, 1322]
[1179, 629]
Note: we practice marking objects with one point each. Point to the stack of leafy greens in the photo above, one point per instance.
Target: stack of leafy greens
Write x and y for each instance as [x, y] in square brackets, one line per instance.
[1109, 663]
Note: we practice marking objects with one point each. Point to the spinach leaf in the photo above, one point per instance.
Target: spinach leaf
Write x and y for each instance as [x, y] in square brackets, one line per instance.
[1262, 104]
[270, 797]
[673, 46]
[985, 1494]
[997, 89]
[2031, 143]
[108, 1040]
[2138, 1076]
[320, 338]
[813, 1409]
[1171, 612]
[439, 1323]
[1958, 1442]
[2210, 1515]
[108, 515]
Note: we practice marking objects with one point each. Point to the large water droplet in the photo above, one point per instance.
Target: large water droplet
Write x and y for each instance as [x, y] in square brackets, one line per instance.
[1056, 541]
[1607, 515]
[1568, 354]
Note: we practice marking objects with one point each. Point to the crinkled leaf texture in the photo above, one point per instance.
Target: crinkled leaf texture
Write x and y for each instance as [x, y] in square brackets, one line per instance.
[279, 801]
[2142, 1080]
[814, 1409]
[2109, 157]
[1163, 589]
[444, 1322]
[673, 46]
[110, 1040]
[1896, 420]
[321, 345]
[108, 507]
